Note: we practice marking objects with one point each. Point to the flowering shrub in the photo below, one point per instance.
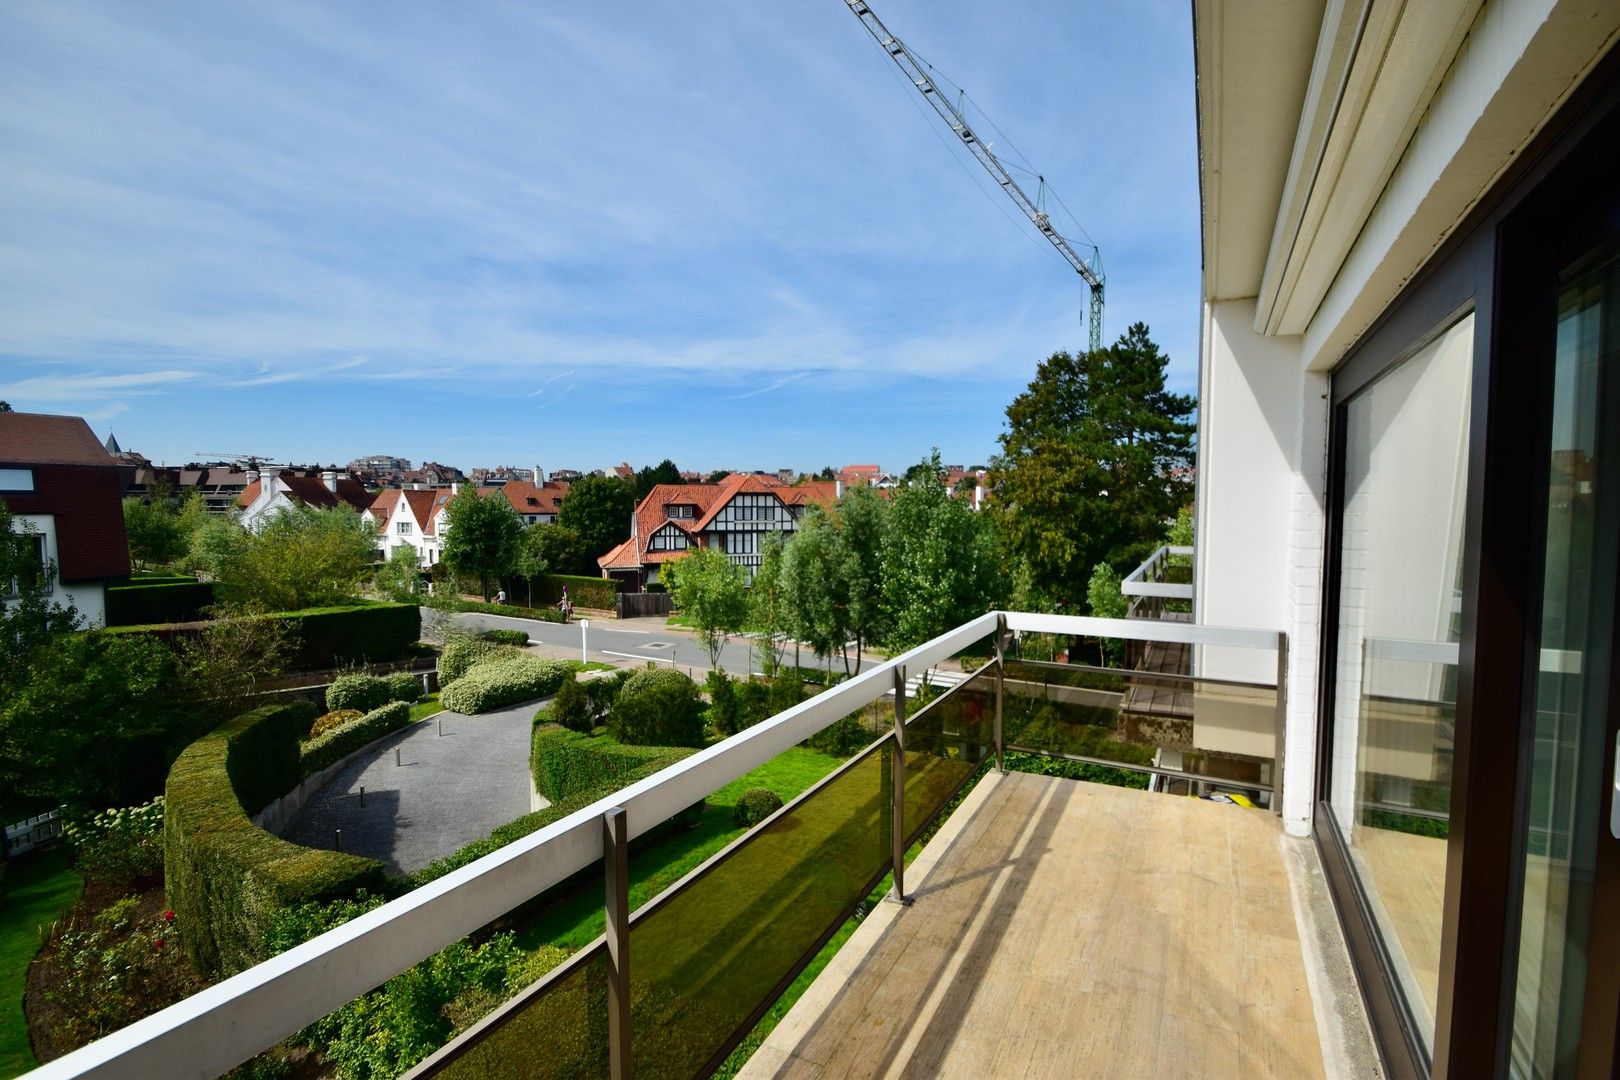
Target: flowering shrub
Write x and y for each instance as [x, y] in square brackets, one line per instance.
[113, 968]
[119, 846]
[332, 721]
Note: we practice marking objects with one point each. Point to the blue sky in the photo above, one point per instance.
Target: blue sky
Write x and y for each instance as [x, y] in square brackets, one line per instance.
[572, 234]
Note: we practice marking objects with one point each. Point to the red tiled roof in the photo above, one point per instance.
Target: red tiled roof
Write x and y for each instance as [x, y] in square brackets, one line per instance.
[622, 557]
[312, 491]
[42, 439]
[526, 498]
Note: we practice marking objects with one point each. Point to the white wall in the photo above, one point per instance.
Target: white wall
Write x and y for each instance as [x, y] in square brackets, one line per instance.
[1261, 481]
[90, 598]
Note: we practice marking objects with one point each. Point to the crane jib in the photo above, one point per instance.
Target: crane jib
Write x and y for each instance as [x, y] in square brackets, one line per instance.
[914, 70]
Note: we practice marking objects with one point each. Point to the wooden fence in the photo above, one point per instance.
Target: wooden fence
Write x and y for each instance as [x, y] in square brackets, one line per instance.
[634, 604]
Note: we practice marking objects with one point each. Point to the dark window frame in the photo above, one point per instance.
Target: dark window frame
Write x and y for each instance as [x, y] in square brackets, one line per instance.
[1500, 546]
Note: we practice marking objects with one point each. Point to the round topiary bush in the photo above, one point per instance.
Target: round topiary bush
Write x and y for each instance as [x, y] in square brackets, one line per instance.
[403, 686]
[572, 707]
[658, 708]
[363, 692]
[755, 806]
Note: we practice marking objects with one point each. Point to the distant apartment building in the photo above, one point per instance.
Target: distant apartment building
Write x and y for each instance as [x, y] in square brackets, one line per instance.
[269, 491]
[733, 516]
[62, 487]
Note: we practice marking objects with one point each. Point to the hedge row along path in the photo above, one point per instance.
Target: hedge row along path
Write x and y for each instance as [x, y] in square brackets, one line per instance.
[451, 790]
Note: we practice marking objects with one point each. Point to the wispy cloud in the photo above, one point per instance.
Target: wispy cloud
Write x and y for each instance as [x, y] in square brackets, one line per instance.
[92, 387]
[785, 380]
[549, 381]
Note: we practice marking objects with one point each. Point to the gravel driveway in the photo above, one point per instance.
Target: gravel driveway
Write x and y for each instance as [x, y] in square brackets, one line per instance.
[449, 791]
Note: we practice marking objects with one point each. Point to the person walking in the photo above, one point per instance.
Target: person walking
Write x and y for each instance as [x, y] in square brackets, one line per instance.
[565, 606]
[500, 596]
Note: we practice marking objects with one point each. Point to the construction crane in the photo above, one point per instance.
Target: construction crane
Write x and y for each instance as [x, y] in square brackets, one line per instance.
[253, 461]
[918, 72]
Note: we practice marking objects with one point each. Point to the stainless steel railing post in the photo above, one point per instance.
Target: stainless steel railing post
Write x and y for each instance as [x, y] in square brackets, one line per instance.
[616, 863]
[897, 796]
[1282, 724]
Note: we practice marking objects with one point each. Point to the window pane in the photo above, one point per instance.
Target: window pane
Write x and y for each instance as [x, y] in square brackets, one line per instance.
[1406, 441]
[1571, 681]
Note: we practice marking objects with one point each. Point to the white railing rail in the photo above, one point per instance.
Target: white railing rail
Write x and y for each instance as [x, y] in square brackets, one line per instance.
[1148, 579]
[238, 1018]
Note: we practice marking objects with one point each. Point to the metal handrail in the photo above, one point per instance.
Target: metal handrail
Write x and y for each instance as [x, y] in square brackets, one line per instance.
[233, 1020]
[1143, 580]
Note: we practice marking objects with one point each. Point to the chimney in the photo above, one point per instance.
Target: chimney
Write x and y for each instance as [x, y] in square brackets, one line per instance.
[455, 488]
[329, 478]
[539, 476]
[838, 489]
[253, 476]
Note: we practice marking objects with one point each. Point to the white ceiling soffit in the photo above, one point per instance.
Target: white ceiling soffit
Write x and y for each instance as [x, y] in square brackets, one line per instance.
[1378, 64]
[1253, 62]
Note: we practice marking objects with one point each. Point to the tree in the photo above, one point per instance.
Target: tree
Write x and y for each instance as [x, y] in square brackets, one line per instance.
[719, 475]
[399, 577]
[1093, 463]
[302, 557]
[217, 543]
[481, 536]
[941, 561]
[1106, 602]
[158, 532]
[767, 604]
[560, 548]
[827, 473]
[5, 406]
[814, 586]
[650, 476]
[598, 509]
[709, 590]
[862, 517]
[531, 561]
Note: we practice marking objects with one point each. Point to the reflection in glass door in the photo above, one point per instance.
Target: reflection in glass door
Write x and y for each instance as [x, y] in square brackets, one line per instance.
[1569, 750]
[1395, 693]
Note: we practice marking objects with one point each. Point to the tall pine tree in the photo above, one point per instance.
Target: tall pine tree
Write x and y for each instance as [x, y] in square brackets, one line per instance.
[1095, 460]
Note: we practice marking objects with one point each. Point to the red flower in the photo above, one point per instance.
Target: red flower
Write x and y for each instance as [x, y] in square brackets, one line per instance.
[157, 943]
[168, 916]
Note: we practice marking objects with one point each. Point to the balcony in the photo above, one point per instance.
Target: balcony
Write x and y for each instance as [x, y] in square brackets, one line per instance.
[1050, 925]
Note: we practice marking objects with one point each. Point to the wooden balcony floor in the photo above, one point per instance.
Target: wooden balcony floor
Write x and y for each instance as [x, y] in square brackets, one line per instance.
[1066, 929]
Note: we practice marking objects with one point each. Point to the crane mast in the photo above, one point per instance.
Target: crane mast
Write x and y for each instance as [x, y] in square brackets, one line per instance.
[915, 71]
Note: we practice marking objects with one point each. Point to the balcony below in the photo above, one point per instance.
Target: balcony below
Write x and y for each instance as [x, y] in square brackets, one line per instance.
[1061, 928]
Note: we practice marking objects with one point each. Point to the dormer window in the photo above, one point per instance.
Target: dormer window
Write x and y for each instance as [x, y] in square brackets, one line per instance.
[680, 510]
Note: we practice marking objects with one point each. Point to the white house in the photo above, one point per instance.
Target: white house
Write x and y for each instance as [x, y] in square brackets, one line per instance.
[413, 518]
[269, 492]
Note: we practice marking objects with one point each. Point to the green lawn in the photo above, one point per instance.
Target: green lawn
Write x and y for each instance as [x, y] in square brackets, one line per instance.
[426, 707]
[578, 920]
[36, 889]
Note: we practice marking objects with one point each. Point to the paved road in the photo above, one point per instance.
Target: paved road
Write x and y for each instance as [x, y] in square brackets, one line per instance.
[451, 790]
[630, 642]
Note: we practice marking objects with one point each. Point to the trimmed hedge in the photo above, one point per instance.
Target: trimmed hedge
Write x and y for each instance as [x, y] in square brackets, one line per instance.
[223, 876]
[368, 692]
[158, 601]
[339, 743]
[458, 657]
[499, 681]
[518, 638]
[586, 592]
[328, 637]
[567, 763]
[539, 614]
[362, 692]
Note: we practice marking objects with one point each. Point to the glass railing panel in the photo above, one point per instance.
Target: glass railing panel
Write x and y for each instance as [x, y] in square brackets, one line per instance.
[709, 956]
[1215, 730]
[554, 1030]
[946, 742]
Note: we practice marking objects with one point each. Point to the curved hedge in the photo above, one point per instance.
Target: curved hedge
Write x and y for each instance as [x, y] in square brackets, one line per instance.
[499, 681]
[339, 743]
[224, 876]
